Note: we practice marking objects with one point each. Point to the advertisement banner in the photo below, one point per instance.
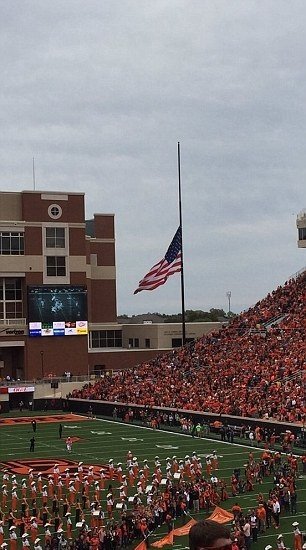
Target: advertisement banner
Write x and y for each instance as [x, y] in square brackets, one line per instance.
[21, 389]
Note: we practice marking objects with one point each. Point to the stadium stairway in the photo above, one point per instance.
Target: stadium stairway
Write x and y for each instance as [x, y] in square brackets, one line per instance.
[274, 321]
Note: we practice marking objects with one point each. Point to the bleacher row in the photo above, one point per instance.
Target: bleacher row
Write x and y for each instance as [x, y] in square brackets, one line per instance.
[253, 367]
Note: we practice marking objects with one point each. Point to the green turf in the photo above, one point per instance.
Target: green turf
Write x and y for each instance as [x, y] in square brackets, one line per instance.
[102, 440]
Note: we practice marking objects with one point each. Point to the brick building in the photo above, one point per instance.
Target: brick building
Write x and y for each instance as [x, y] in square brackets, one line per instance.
[47, 264]
[58, 308]
[301, 226]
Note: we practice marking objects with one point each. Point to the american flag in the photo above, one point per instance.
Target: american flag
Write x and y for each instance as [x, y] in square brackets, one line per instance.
[171, 263]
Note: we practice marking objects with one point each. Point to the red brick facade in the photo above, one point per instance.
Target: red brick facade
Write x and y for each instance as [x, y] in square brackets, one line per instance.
[33, 357]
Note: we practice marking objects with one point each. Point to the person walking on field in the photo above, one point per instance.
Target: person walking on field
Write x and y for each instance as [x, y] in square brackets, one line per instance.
[69, 444]
[297, 536]
[32, 444]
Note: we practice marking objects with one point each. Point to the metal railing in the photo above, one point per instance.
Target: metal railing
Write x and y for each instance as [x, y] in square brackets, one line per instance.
[60, 379]
[9, 322]
[274, 321]
[298, 273]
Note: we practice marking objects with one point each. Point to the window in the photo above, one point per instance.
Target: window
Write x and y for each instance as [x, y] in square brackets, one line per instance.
[106, 339]
[99, 368]
[147, 343]
[55, 211]
[133, 342]
[11, 243]
[118, 338]
[56, 266]
[12, 289]
[176, 342]
[55, 237]
[98, 339]
[10, 299]
[302, 233]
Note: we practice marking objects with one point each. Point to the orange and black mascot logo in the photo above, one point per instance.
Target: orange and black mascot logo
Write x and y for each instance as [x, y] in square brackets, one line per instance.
[46, 466]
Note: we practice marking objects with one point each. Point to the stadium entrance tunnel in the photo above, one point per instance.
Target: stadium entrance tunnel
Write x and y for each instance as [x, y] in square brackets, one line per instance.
[12, 356]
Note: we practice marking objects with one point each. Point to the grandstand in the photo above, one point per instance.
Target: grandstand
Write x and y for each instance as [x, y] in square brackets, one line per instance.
[253, 368]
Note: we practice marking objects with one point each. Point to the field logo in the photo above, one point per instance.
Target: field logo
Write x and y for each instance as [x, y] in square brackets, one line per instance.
[45, 466]
[41, 419]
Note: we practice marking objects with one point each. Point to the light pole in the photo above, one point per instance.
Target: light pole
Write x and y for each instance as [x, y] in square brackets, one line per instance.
[229, 295]
[42, 364]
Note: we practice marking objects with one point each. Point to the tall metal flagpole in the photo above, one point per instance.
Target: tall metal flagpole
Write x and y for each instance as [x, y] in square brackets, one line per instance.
[33, 170]
[181, 226]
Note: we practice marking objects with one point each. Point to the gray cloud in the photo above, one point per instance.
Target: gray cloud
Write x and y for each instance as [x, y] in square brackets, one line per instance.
[100, 93]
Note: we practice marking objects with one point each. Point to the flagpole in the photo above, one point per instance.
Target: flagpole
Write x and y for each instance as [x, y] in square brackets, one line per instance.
[181, 226]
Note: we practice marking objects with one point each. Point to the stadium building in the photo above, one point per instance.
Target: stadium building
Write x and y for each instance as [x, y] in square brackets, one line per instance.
[301, 226]
[58, 310]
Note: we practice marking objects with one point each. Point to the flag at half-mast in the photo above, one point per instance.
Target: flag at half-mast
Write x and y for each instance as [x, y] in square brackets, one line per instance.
[171, 263]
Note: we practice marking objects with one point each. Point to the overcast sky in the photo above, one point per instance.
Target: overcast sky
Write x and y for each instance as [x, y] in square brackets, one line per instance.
[101, 91]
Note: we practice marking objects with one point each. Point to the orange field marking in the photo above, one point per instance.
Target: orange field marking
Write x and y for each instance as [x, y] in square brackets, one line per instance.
[15, 421]
[76, 439]
[46, 466]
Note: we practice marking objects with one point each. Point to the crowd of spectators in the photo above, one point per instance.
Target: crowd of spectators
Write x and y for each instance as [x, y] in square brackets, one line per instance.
[253, 367]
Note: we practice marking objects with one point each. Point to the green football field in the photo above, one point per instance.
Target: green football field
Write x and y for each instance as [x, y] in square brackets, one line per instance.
[99, 440]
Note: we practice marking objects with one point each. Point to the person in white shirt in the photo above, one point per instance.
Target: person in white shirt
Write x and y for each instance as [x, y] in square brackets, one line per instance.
[13, 535]
[297, 535]
[276, 512]
[247, 534]
[37, 545]
[25, 541]
[254, 526]
[280, 543]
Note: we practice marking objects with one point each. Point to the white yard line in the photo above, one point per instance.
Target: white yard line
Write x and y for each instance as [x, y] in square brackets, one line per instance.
[253, 448]
[61, 449]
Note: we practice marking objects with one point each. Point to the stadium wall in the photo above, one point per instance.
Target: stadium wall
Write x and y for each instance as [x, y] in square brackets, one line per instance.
[34, 396]
[106, 408]
[121, 359]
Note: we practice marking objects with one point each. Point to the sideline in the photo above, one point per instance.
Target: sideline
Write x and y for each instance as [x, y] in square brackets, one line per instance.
[170, 432]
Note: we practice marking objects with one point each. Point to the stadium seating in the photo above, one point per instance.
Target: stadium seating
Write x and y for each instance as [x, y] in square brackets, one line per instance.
[254, 367]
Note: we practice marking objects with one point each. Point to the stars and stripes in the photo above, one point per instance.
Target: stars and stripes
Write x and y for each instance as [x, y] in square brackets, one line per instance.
[170, 264]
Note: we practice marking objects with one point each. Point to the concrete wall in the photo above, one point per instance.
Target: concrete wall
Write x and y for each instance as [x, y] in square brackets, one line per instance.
[161, 335]
[121, 359]
[44, 391]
